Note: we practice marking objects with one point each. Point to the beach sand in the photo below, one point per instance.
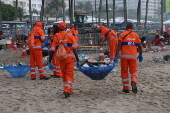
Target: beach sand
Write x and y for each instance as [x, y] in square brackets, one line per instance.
[22, 95]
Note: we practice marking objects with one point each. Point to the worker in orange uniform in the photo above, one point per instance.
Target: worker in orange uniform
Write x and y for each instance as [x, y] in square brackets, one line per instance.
[75, 32]
[110, 36]
[128, 43]
[55, 62]
[36, 52]
[67, 64]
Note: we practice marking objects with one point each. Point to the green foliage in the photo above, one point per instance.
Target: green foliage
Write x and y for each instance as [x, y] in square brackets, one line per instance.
[55, 7]
[8, 12]
[84, 7]
[20, 13]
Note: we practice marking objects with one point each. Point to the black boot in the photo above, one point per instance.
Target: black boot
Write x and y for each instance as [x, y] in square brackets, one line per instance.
[125, 91]
[45, 78]
[66, 94]
[134, 87]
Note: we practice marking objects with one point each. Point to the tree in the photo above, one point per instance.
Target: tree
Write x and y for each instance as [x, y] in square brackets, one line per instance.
[84, 7]
[88, 7]
[57, 5]
[79, 7]
[146, 14]
[20, 13]
[8, 12]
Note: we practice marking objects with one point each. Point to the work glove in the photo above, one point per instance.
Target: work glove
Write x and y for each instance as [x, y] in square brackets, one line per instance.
[50, 66]
[140, 57]
[115, 59]
[78, 64]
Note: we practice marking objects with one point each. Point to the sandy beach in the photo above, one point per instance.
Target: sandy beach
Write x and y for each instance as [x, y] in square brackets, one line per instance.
[22, 95]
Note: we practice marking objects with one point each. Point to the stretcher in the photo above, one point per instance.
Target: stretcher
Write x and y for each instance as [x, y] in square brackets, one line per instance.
[96, 73]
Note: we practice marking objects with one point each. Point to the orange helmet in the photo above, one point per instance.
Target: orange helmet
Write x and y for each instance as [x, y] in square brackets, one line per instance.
[101, 28]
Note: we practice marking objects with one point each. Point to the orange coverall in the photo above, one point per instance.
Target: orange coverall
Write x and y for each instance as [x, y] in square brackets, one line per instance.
[55, 61]
[129, 57]
[112, 39]
[67, 65]
[75, 33]
[36, 52]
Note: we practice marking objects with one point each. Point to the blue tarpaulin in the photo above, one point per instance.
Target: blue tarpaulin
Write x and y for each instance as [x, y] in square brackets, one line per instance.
[97, 73]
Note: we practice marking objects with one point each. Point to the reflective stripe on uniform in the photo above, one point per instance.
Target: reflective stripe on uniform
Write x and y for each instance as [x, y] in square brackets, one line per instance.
[130, 43]
[56, 66]
[112, 56]
[40, 69]
[36, 47]
[42, 73]
[32, 68]
[112, 38]
[123, 80]
[33, 72]
[68, 86]
[132, 56]
[125, 84]
[101, 54]
[69, 82]
[134, 74]
[52, 48]
[75, 45]
[102, 36]
[42, 37]
[56, 70]
[71, 55]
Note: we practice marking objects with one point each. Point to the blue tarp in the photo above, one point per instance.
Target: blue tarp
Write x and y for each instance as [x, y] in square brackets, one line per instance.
[97, 73]
[17, 71]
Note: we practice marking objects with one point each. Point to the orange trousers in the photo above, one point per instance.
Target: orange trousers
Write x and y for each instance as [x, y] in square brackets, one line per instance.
[56, 65]
[128, 65]
[67, 69]
[113, 46]
[36, 58]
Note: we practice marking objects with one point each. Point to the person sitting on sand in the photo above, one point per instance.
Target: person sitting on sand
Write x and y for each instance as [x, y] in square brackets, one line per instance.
[161, 45]
[156, 40]
[145, 45]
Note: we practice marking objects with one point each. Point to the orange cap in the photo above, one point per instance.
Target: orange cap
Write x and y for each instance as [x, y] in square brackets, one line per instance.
[62, 25]
[101, 28]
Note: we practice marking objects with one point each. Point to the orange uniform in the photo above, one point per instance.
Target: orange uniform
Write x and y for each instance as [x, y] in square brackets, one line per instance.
[36, 51]
[75, 33]
[129, 57]
[67, 65]
[55, 61]
[111, 37]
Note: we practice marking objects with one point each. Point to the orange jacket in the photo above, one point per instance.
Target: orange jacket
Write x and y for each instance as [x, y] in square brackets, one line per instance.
[75, 33]
[39, 35]
[108, 34]
[67, 40]
[129, 44]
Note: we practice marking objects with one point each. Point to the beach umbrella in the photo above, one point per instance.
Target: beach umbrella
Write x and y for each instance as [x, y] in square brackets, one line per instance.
[150, 36]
